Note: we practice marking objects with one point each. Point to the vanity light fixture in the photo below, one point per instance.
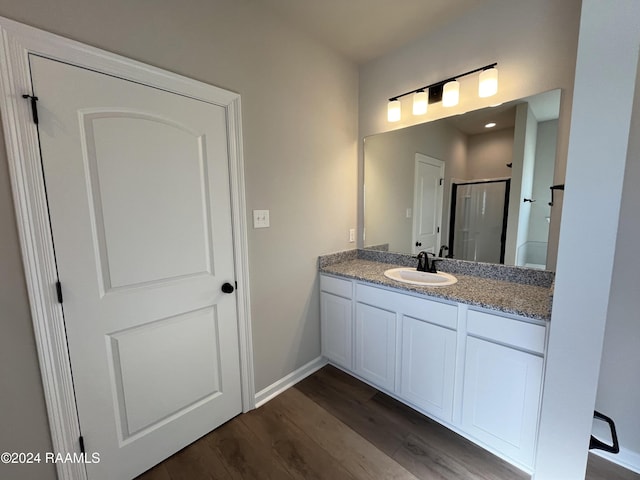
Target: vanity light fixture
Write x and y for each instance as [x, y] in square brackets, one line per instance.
[394, 110]
[420, 102]
[451, 94]
[488, 83]
[446, 91]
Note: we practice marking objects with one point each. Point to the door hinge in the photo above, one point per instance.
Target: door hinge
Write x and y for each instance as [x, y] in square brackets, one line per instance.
[81, 442]
[441, 180]
[438, 230]
[59, 291]
[34, 107]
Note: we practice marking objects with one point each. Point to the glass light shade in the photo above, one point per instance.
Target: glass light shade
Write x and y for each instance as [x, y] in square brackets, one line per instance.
[451, 94]
[488, 83]
[420, 103]
[394, 111]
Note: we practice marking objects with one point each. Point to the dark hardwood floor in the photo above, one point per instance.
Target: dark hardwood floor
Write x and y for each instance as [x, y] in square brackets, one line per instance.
[332, 426]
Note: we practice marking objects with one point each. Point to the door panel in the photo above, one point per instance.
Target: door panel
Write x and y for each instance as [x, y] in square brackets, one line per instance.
[375, 345]
[502, 397]
[121, 149]
[336, 327]
[152, 386]
[138, 190]
[428, 366]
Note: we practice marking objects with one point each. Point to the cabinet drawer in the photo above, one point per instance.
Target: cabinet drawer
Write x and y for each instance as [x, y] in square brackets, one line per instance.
[433, 312]
[420, 308]
[523, 335]
[337, 286]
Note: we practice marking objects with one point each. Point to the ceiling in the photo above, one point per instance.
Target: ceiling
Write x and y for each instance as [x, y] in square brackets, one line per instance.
[544, 106]
[366, 29]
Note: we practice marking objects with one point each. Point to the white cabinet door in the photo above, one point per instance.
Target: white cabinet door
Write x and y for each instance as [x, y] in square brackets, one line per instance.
[502, 397]
[336, 325]
[428, 366]
[376, 345]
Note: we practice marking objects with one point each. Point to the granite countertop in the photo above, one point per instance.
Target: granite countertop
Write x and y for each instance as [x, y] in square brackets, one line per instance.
[526, 300]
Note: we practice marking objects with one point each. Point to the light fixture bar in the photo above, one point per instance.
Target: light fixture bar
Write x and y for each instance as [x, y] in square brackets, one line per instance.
[440, 84]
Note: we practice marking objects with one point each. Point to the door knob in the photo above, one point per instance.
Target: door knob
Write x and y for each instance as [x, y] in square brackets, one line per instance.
[418, 244]
[227, 288]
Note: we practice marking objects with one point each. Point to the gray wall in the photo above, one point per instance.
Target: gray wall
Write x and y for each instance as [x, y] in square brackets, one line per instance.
[489, 153]
[299, 109]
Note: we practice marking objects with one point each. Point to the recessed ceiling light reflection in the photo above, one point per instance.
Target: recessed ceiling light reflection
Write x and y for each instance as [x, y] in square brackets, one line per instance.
[490, 125]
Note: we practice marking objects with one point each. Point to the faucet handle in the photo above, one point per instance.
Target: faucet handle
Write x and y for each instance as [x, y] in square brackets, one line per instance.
[432, 265]
[423, 261]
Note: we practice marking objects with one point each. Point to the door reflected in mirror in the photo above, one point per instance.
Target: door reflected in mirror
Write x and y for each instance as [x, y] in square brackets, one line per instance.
[460, 188]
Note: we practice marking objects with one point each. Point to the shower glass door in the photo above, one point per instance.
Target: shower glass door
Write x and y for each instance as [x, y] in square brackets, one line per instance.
[478, 226]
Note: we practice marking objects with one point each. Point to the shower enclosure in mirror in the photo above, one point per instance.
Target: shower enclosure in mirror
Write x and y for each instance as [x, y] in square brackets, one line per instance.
[479, 212]
[408, 208]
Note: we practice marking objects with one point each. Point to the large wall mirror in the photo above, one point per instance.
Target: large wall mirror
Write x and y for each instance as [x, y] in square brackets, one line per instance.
[463, 188]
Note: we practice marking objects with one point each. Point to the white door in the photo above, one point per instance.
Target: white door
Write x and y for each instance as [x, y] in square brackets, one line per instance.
[138, 189]
[427, 203]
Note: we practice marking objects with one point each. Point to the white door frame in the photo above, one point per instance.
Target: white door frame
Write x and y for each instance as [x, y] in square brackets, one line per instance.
[17, 41]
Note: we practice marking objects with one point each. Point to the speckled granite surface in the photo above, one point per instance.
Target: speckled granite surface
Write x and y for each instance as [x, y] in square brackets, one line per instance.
[527, 276]
[527, 300]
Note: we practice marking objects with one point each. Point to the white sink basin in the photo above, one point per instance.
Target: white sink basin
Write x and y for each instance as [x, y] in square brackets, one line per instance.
[414, 277]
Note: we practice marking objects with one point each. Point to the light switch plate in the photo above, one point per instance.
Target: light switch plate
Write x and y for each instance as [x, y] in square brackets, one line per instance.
[260, 218]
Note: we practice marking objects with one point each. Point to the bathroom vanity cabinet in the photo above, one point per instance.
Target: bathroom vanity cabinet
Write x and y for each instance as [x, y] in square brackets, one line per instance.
[476, 371]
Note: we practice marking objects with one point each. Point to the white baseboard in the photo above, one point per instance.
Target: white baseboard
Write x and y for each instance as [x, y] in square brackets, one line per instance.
[625, 458]
[276, 388]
